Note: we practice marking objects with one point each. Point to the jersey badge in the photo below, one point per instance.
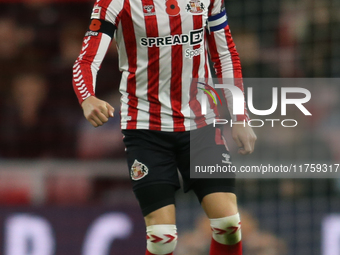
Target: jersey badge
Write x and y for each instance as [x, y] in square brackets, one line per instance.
[172, 8]
[195, 7]
[149, 10]
[96, 12]
[138, 170]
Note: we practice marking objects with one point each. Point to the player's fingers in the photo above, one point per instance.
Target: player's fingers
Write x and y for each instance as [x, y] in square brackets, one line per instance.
[242, 151]
[247, 148]
[240, 145]
[252, 141]
[102, 117]
[110, 109]
[93, 123]
[104, 112]
[94, 117]
[96, 120]
[238, 141]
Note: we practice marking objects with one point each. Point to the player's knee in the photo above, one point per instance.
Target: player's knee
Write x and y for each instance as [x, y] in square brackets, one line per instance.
[227, 230]
[161, 239]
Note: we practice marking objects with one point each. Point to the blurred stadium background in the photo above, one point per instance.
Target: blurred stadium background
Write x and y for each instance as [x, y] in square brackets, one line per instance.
[64, 185]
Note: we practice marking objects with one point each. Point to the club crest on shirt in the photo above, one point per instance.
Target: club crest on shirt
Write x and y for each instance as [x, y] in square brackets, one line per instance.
[149, 10]
[195, 7]
[138, 170]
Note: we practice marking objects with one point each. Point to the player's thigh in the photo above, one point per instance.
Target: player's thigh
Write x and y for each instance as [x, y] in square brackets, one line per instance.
[164, 215]
[219, 204]
[206, 148]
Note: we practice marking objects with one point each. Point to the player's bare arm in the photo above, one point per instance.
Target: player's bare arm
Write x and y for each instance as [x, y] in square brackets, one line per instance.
[244, 137]
[97, 111]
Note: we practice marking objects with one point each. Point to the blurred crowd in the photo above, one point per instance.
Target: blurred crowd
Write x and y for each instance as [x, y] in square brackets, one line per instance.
[40, 40]
[40, 116]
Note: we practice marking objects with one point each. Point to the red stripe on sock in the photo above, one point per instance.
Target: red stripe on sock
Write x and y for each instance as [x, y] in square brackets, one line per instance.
[223, 249]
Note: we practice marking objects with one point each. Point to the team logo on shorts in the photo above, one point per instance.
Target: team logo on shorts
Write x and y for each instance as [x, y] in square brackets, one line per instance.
[226, 159]
[138, 170]
[195, 7]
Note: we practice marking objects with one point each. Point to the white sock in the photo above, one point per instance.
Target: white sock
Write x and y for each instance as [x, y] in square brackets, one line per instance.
[161, 239]
[226, 230]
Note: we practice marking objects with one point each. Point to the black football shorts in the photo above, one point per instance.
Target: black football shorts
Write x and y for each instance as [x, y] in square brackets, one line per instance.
[155, 157]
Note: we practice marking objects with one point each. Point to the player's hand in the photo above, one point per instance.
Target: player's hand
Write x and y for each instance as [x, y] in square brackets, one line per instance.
[97, 111]
[244, 137]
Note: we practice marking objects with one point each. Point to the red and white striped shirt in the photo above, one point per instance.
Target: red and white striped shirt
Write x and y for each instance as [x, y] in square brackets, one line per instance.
[162, 46]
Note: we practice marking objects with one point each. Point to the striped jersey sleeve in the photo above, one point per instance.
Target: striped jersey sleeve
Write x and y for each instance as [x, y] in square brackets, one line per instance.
[223, 54]
[95, 45]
